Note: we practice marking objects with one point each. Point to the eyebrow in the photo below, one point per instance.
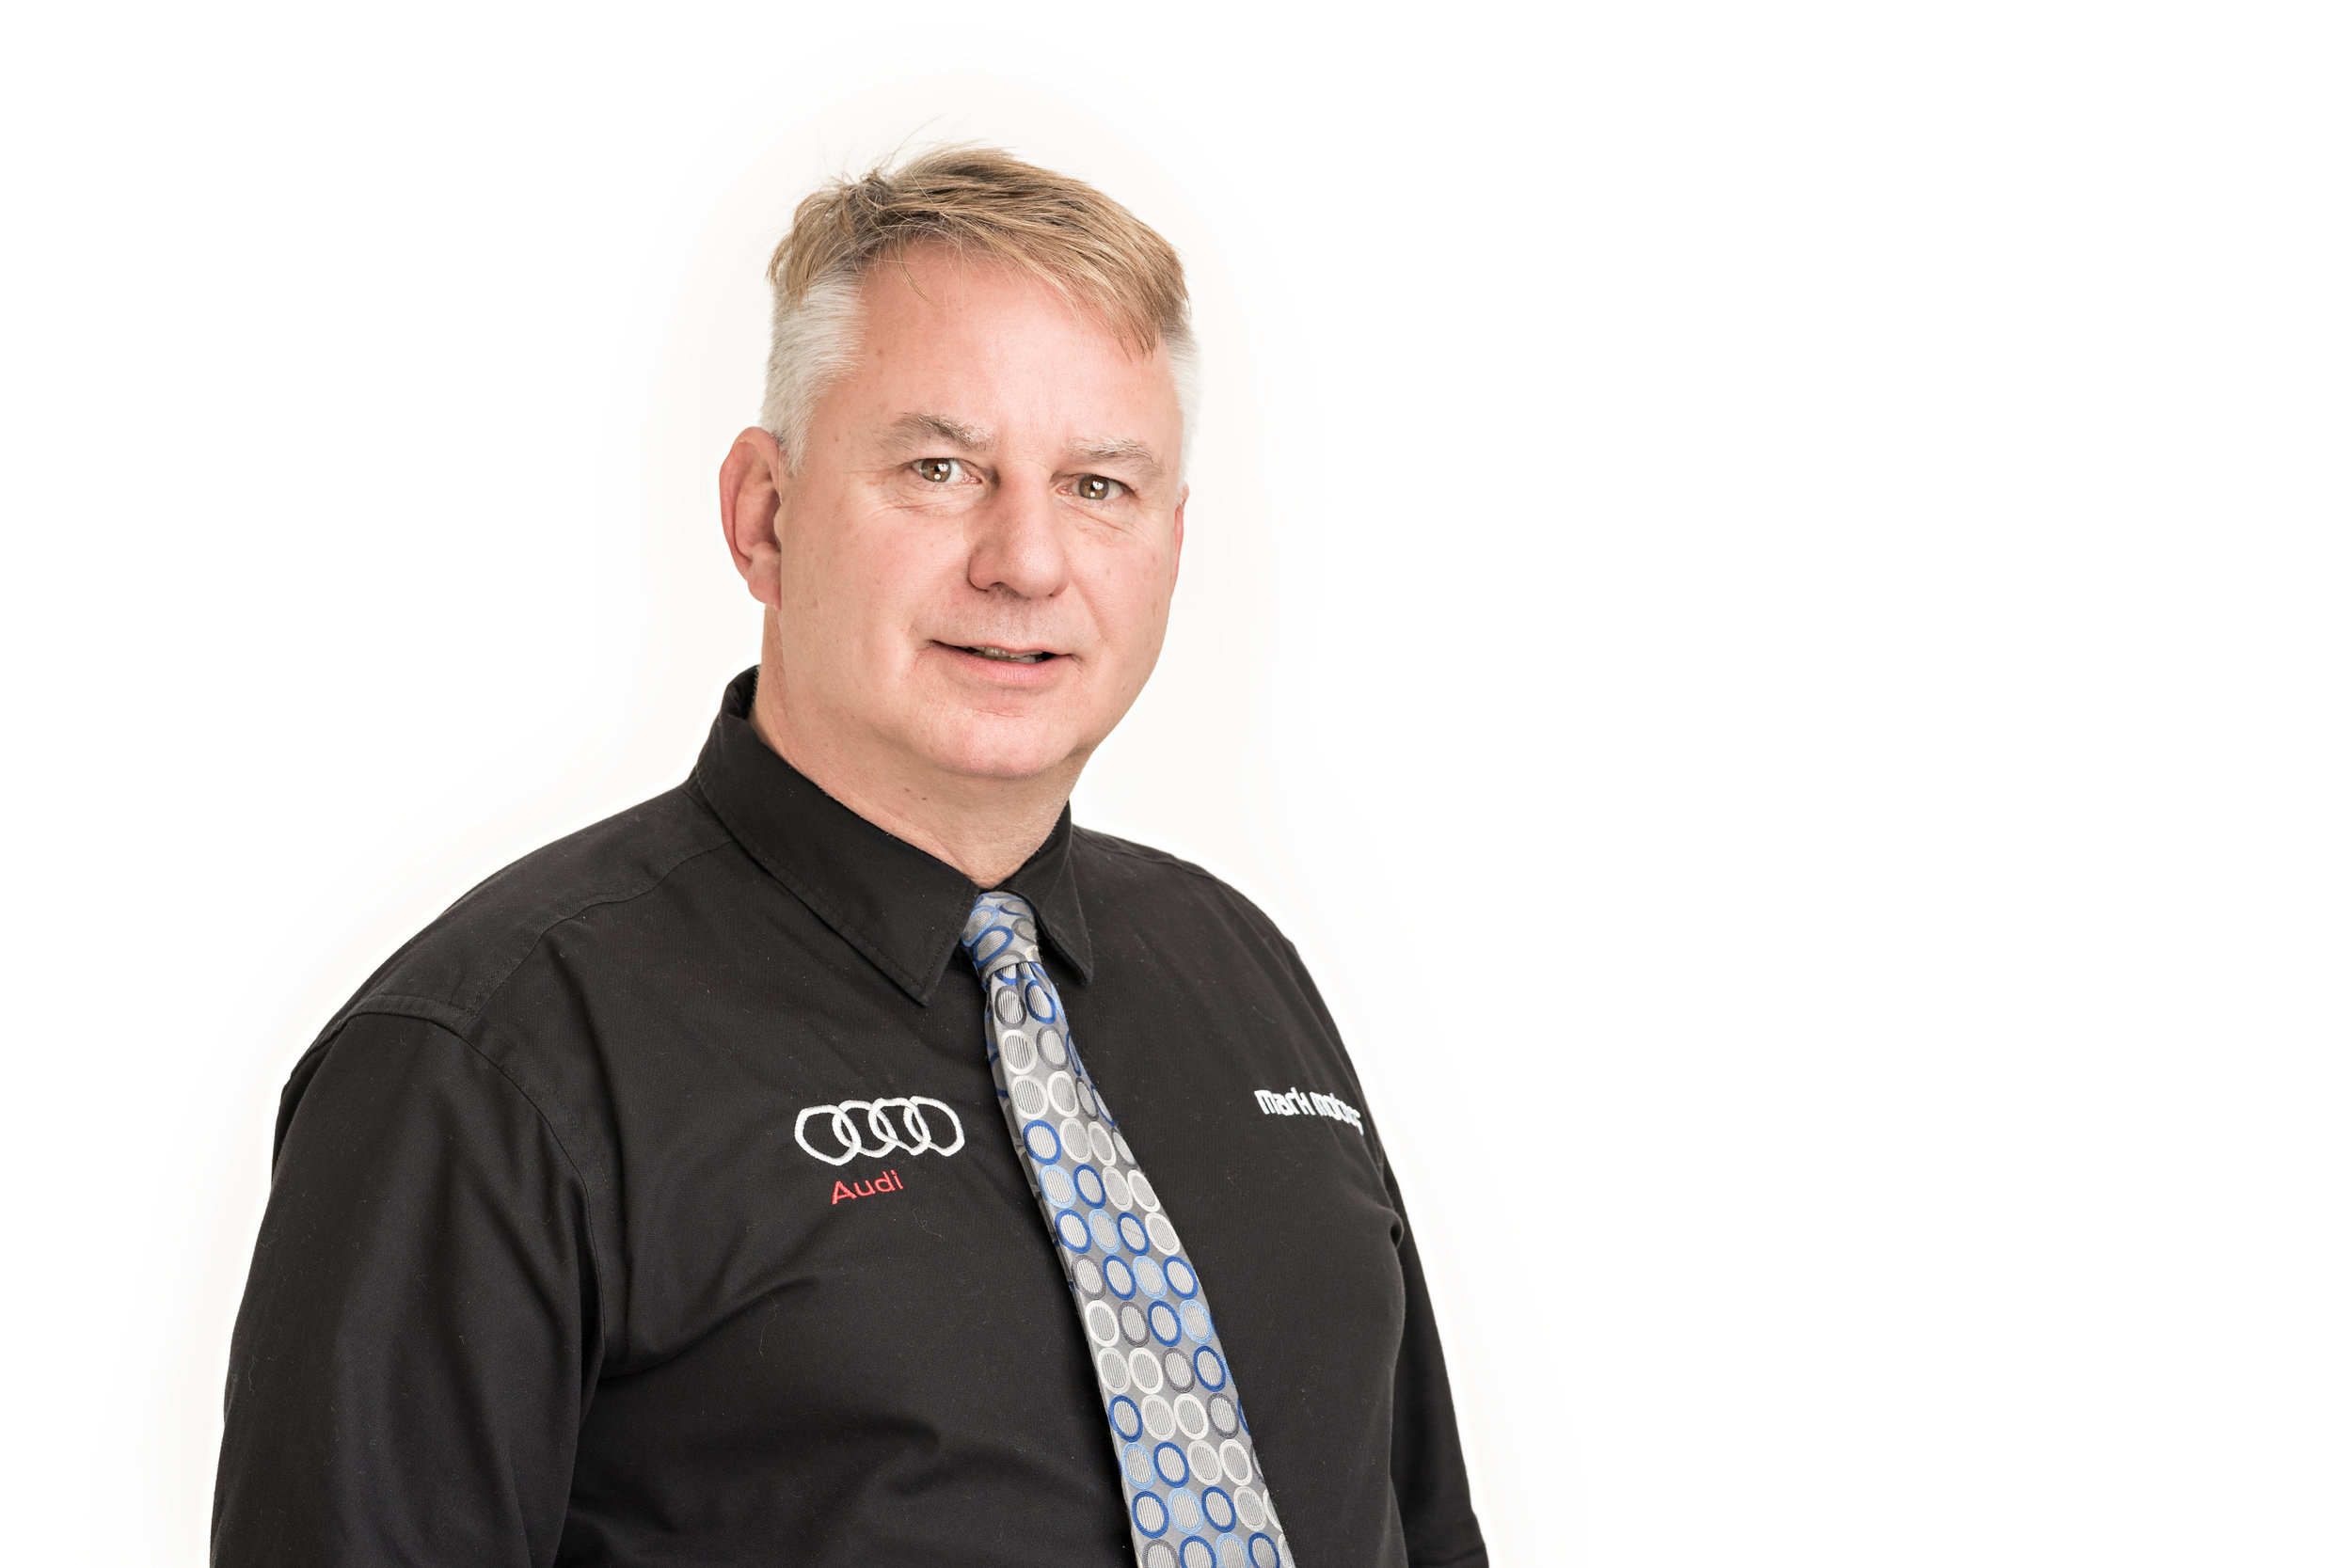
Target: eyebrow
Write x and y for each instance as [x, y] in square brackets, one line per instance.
[914, 429]
[1126, 448]
[918, 427]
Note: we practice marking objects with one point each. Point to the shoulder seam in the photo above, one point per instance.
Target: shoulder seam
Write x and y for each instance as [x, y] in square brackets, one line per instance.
[491, 990]
[1134, 852]
[466, 1013]
[423, 1010]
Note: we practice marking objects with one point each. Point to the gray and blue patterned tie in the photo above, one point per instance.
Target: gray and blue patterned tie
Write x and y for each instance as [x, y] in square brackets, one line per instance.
[1194, 1497]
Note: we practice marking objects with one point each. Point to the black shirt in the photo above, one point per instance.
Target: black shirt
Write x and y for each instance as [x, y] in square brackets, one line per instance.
[558, 1266]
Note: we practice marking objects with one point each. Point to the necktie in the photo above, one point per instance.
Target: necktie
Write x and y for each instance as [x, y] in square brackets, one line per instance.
[1194, 1497]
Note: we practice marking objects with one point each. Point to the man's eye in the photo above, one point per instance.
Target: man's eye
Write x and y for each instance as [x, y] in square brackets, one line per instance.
[939, 471]
[1094, 487]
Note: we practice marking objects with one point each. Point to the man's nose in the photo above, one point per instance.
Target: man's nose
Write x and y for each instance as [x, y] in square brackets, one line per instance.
[1018, 541]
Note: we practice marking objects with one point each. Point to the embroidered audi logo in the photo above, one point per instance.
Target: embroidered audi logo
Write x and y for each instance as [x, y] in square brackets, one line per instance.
[865, 1127]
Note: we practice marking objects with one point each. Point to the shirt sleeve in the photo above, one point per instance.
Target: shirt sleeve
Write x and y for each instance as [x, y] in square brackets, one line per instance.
[1425, 1465]
[410, 1364]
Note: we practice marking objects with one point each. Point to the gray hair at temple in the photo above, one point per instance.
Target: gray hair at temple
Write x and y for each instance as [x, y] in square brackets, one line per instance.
[972, 201]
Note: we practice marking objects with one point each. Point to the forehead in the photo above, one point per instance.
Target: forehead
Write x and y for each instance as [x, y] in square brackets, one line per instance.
[984, 342]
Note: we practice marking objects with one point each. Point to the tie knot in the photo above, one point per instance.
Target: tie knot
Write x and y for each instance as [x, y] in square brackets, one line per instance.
[1002, 930]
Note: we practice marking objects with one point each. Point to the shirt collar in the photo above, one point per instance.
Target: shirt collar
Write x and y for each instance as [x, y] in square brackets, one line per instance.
[900, 907]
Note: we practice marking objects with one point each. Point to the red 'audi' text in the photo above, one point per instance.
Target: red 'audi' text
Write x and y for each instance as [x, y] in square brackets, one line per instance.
[887, 1182]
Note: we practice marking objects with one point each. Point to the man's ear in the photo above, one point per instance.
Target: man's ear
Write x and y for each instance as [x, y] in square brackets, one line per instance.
[751, 490]
[1176, 554]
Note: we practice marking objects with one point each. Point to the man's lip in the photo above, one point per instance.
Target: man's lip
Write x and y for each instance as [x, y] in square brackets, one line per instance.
[1006, 654]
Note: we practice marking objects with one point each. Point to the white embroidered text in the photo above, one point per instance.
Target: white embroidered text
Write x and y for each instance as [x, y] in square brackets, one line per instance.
[1297, 1104]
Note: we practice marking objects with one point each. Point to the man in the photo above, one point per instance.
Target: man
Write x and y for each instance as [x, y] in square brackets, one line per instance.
[842, 1158]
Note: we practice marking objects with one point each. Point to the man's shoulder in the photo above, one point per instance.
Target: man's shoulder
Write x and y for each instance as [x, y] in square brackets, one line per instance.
[1120, 876]
[449, 970]
[1121, 862]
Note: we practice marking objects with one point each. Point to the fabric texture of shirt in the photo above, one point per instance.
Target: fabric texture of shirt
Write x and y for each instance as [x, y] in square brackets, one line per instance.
[567, 1259]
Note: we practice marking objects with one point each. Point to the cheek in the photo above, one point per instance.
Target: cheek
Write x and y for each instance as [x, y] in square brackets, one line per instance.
[1132, 602]
[867, 579]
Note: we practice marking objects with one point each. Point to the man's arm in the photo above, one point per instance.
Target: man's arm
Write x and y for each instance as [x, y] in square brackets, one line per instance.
[418, 1331]
[1424, 1446]
[1425, 1467]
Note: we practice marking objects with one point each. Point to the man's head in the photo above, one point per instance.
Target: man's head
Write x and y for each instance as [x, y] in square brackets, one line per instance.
[964, 509]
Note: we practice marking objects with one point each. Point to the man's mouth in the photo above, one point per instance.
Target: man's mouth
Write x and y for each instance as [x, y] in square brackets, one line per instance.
[1003, 655]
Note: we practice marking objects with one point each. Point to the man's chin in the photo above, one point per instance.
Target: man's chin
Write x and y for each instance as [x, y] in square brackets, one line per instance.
[1014, 753]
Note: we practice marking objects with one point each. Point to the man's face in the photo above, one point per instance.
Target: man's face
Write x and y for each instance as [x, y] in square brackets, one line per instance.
[974, 563]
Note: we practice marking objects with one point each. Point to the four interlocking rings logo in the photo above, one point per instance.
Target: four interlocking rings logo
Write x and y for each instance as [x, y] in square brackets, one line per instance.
[870, 1132]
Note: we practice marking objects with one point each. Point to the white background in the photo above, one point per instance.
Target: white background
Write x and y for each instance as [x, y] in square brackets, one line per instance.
[1766, 601]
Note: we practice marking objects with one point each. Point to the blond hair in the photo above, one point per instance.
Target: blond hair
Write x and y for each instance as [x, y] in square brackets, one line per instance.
[975, 200]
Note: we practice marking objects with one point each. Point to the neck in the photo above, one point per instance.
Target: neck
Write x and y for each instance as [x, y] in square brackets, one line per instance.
[985, 828]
